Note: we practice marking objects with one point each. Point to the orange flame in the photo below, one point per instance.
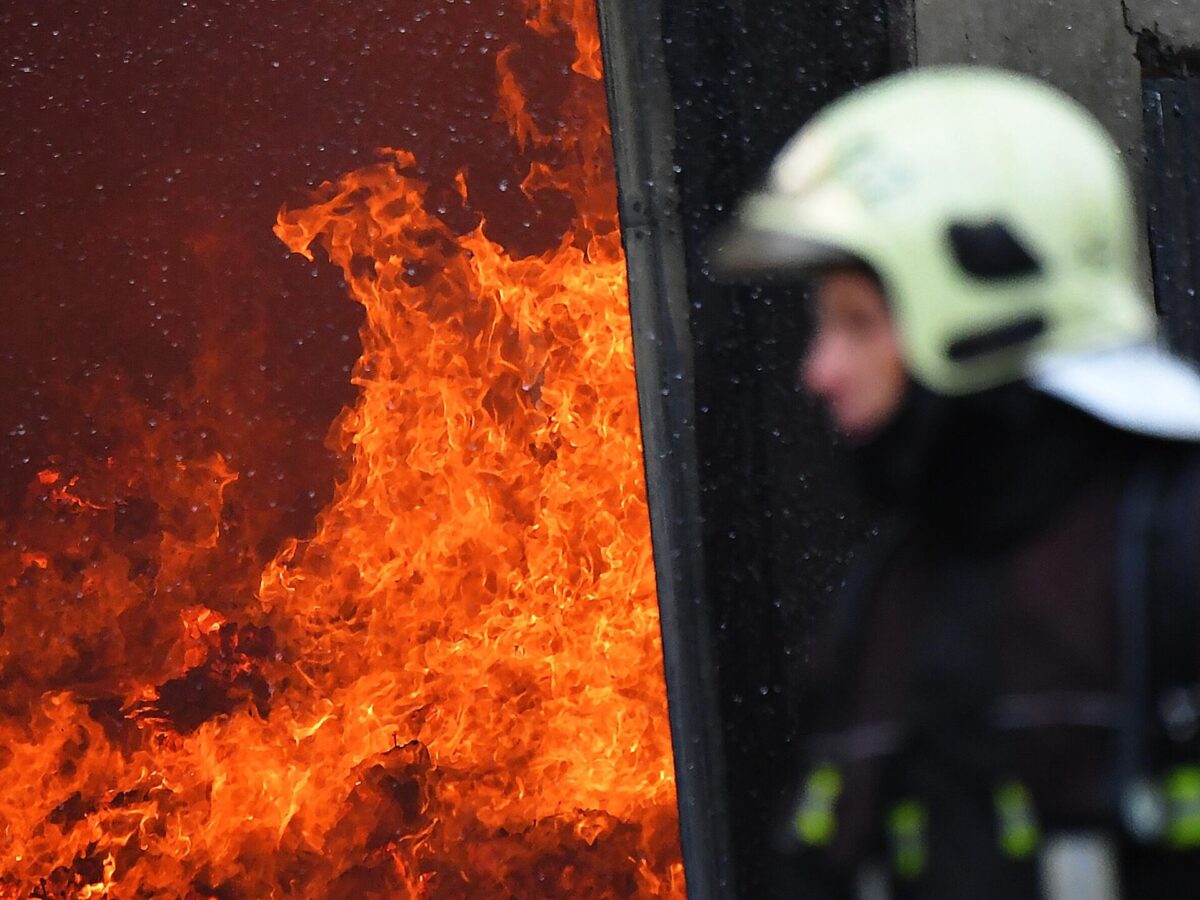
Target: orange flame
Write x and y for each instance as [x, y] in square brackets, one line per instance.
[454, 687]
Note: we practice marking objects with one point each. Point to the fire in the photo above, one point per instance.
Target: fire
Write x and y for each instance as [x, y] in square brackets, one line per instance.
[453, 687]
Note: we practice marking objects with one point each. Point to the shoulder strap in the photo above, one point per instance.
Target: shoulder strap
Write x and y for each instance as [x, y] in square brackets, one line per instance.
[1134, 533]
[1174, 614]
[1158, 594]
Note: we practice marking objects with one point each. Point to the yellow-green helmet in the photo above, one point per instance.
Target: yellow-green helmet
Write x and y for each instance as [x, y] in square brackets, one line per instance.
[998, 216]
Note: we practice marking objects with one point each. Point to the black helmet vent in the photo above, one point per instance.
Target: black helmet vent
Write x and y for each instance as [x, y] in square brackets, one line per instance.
[1006, 337]
[991, 251]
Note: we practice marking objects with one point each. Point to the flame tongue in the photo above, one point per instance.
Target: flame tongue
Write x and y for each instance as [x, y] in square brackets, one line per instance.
[454, 687]
[491, 539]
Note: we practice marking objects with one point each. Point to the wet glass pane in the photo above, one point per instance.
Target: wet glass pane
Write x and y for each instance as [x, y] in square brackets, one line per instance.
[778, 519]
[1172, 119]
[326, 556]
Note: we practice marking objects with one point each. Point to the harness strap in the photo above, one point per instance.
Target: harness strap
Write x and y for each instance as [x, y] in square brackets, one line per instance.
[1156, 777]
[1134, 794]
[1175, 619]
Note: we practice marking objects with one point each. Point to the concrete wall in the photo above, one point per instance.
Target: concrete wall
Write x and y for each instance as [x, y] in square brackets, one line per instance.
[1176, 22]
[1089, 48]
[1082, 46]
[1086, 47]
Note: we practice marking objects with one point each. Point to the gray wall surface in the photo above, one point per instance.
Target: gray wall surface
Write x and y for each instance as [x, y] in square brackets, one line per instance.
[1176, 22]
[1082, 46]
[1088, 48]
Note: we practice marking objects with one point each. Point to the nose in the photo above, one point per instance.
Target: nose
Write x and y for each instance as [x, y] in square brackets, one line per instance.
[822, 369]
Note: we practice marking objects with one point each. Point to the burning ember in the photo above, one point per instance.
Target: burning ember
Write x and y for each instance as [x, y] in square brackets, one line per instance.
[452, 687]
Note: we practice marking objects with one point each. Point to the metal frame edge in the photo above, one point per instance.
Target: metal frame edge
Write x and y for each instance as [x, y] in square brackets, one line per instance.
[642, 117]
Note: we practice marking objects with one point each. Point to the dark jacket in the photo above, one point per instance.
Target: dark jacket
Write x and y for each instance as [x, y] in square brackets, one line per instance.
[983, 648]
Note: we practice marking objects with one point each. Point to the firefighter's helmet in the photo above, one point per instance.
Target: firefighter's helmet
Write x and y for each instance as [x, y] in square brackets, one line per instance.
[998, 216]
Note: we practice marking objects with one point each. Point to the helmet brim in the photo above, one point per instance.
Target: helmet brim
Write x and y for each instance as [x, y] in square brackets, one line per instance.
[1140, 388]
[739, 252]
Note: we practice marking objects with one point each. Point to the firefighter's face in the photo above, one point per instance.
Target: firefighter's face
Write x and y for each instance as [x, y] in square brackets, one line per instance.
[855, 363]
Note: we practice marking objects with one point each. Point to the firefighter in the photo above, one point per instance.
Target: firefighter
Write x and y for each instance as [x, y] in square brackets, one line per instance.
[1007, 701]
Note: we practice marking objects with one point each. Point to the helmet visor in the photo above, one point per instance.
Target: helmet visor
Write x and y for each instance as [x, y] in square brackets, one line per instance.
[1140, 388]
[740, 251]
